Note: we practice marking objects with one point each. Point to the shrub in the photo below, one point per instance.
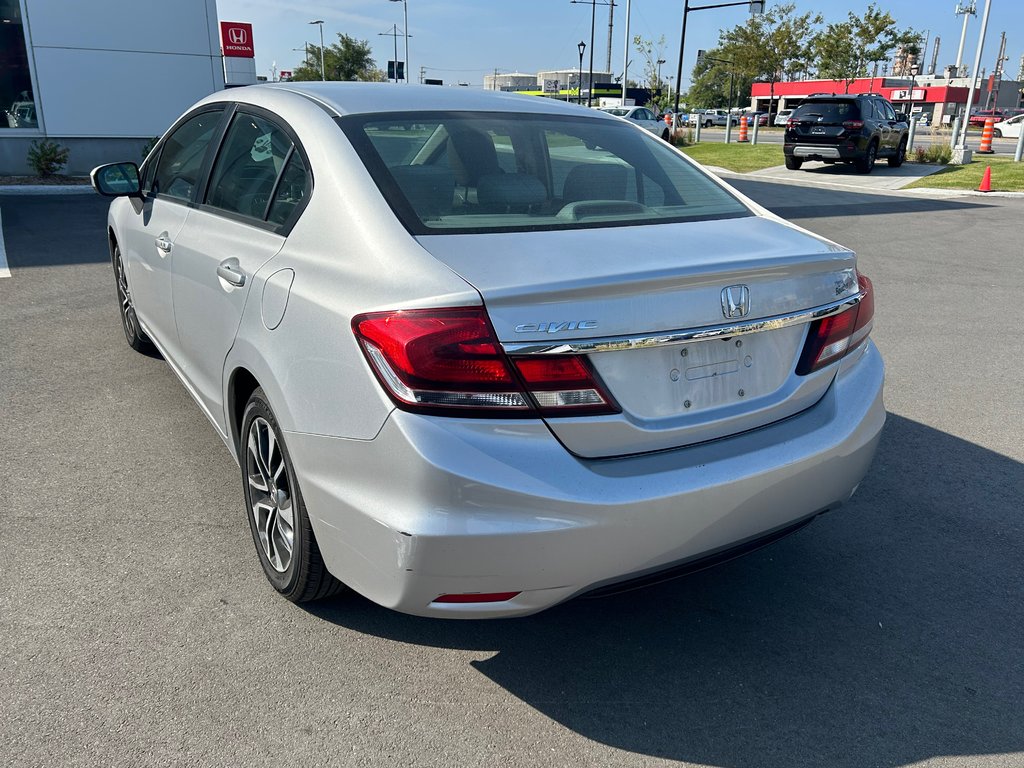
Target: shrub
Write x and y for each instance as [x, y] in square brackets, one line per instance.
[919, 154]
[938, 153]
[47, 157]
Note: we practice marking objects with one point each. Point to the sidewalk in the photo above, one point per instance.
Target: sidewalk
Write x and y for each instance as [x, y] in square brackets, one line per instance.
[881, 177]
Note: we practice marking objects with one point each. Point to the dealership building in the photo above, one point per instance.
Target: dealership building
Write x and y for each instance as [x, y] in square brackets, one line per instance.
[937, 98]
[104, 78]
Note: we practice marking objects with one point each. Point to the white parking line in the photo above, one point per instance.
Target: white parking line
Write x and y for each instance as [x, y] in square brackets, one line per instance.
[4, 271]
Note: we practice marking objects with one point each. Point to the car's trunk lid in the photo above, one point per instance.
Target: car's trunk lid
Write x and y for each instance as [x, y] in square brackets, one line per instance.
[546, 290]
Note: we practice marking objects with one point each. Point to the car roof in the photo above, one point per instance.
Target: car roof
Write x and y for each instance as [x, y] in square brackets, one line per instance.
[351, 98]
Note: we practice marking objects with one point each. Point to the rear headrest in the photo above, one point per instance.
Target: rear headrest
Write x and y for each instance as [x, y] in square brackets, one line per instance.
[510, 190]
[471, 155]
[595, 181]
[429, 189]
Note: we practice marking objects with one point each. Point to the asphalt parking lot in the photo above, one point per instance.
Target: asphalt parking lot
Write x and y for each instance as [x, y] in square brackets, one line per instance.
[139, 629]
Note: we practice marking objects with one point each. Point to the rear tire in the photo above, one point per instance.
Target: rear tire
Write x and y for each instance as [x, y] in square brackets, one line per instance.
[866, 163]
[133, 332]
[793, 163]
[901, 154]
[996, 133]
[280, 526]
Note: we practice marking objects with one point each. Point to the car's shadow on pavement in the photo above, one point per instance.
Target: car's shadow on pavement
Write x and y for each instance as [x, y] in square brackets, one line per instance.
[886, 633]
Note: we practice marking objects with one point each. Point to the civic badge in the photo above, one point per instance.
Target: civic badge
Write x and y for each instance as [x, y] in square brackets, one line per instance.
[735, 301]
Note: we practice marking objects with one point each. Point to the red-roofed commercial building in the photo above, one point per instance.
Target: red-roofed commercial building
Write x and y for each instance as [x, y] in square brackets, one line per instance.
[938, 101]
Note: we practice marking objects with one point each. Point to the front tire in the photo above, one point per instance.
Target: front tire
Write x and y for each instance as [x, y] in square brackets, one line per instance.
[866, 163]
[996, 133]
[133, 333]
[280, 526]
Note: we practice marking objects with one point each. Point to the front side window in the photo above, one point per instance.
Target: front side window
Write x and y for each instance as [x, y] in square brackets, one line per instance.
[483, 172]
[16, 100]
[250, 160]
[181, 159]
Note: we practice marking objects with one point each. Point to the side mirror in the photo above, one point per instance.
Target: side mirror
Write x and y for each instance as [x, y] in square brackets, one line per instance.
[117, 180]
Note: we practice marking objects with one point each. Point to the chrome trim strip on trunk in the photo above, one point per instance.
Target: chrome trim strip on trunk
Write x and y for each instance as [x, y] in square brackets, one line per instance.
[673, 338]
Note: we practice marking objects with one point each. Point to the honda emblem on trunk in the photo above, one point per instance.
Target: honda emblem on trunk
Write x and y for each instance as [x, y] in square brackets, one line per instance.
[735, 301]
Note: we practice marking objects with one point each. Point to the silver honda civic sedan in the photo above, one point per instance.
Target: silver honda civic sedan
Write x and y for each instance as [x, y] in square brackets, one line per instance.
[478, 353]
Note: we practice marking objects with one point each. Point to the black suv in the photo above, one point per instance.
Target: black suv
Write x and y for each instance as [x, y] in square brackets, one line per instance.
[848, 129]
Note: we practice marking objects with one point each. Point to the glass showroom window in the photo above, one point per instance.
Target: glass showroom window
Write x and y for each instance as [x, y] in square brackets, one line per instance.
[16, 101]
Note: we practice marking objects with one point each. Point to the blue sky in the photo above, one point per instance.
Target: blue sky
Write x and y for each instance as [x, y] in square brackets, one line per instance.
[461, 40]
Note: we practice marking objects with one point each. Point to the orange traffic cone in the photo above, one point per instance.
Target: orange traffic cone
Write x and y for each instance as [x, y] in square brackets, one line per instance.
[986, 180]
[743, 129]
[986, 137]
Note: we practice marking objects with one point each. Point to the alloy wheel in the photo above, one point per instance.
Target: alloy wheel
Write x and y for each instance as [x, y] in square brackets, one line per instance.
[124, 296]
[270, 495]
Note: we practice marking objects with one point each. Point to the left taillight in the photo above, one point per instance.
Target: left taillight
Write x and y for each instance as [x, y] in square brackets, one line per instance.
[832, 338]
[450, 361]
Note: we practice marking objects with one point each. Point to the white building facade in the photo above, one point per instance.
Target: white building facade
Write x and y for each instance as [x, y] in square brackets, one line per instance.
[101, 78]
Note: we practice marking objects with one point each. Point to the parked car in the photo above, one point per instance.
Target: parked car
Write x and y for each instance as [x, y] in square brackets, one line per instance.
[1009, 128]
[979, 117]
[420, 322]
[855, 129]
[643, 117]
[22, 114]
[714, 117]
[753, 118]
[782, 116]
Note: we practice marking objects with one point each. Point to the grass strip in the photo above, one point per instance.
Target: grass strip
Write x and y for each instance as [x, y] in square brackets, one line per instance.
[740, 158]
[1007, 176]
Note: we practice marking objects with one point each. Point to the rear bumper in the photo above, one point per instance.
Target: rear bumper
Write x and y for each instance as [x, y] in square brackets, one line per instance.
[844, 151]
[435, 506]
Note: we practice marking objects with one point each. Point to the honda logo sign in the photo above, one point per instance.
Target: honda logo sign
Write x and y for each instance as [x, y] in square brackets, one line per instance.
[236, 39]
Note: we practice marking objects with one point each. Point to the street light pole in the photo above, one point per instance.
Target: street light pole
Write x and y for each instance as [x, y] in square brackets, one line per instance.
[320, 22]
[756, 7]
[405, 7]
[913, 83]
[590, 80]
[962, 144]
[579, 77]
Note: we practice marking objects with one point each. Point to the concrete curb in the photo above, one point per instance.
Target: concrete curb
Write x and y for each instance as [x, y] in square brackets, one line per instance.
[46, 189]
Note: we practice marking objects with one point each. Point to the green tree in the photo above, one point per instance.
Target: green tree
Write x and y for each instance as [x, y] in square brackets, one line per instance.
[347, 59]
[710, 82]
[652, 51]
[771, 46]
[846, 48]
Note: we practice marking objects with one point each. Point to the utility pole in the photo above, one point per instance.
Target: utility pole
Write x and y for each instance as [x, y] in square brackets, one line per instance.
[611, 25]
[960, 153]
[935, 56]
[997, 74]
[964, 9]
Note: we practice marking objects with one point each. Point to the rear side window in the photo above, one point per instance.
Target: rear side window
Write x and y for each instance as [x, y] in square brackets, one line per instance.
[250, 161]
[827, 111]
[181, 159]
[292, 190]
[468, 172]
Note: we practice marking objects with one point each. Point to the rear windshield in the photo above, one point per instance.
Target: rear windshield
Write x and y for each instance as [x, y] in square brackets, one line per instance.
[830, 111]
[491, 172]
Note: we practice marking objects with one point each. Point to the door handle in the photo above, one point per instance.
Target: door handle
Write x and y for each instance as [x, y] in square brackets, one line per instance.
[230, 273]
[163, 244]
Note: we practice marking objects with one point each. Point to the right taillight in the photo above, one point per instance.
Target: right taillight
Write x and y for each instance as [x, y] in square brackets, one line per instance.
[834, 337]
[449, 360]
